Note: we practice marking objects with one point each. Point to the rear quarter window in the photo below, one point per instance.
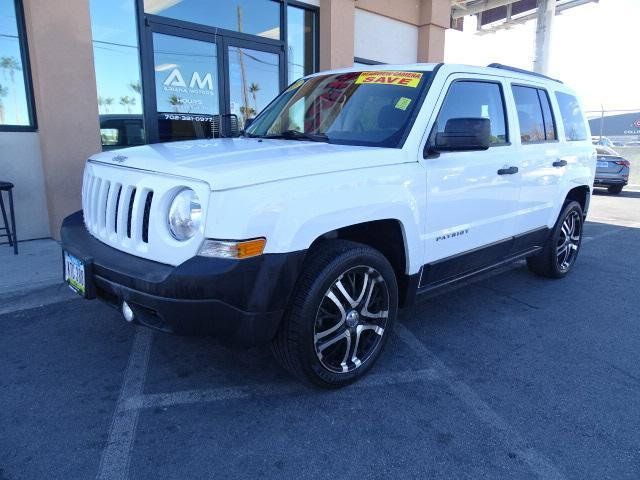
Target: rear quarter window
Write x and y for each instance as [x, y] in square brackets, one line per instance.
[574, 124]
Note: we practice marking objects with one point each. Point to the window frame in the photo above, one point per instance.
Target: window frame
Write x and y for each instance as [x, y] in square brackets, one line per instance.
[284, 29]
[505, 110]
[538, 89]
[145, 21]
[26, 74]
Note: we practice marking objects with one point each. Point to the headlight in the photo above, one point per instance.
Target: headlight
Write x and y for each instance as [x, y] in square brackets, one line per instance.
[185, 215]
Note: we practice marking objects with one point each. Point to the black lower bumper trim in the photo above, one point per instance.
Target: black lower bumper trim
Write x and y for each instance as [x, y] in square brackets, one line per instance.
[193, 317]
[240, 301]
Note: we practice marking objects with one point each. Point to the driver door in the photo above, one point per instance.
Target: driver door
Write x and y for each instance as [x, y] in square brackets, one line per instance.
[472, 196]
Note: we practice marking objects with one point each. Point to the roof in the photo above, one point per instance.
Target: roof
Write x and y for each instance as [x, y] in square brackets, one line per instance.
[495, 69]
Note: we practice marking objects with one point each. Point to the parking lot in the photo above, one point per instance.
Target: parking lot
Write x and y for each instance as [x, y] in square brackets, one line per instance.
[510, 376]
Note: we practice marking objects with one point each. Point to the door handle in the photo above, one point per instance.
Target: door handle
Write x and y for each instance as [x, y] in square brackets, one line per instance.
[508, 171]
[560, 163]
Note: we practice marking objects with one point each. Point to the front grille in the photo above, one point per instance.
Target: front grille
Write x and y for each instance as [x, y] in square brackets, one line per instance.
[126, 209]
[113, 209]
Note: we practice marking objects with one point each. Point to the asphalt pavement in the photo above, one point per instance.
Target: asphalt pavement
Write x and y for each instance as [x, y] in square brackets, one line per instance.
[508, 376]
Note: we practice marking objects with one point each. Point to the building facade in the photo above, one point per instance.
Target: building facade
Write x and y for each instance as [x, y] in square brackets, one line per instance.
[80, 76]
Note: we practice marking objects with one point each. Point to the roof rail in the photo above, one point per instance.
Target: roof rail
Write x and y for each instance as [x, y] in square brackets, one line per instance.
[521, 70]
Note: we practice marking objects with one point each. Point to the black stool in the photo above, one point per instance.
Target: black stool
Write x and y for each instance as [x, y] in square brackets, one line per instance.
[10, 231]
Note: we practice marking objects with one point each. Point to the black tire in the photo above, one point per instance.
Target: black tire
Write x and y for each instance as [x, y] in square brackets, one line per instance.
[615, 189]
[303, 346]
[551, 262]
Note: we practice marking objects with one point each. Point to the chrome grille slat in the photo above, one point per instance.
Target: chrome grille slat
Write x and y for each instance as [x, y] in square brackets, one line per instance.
[87, 206]
[92, 209]
[102, 207]
[95, 193]
[123, 212]
[110, 221]
[136, 214]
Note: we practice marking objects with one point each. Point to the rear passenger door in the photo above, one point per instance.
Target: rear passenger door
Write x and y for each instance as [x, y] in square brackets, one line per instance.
[472, 196]
[537, 147]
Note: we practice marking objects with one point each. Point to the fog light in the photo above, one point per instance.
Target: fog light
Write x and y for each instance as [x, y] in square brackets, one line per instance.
[127, 313]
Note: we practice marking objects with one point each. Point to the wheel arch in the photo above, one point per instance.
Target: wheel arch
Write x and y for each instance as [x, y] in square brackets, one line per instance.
[388, 236]
[582, 195]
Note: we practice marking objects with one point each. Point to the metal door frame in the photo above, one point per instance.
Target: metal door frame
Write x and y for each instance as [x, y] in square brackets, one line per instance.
[223, 39]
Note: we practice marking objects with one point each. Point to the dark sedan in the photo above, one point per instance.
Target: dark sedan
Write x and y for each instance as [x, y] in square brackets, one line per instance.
[612, 171]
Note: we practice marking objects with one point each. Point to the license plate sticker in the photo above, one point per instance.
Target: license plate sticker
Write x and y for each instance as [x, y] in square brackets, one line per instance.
[603, 165]
[74, 273]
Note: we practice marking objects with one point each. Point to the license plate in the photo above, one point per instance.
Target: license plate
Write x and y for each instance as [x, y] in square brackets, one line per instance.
[603, 165]
[74, 273]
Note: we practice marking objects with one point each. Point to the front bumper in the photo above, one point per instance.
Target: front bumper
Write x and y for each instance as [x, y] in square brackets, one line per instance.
[240, 301]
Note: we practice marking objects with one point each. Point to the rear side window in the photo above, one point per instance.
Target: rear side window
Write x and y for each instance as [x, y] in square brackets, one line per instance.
[473, 99]
[534, 114]
[572, 118]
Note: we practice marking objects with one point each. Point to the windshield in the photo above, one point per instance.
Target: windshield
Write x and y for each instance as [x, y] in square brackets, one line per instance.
[355, 108]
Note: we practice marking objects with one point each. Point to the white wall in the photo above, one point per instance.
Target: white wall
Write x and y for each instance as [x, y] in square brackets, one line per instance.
[20, 164]
[384, 39]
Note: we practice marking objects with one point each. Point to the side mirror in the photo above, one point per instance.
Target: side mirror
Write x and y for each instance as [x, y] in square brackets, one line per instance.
[248, 122]
[463, 134]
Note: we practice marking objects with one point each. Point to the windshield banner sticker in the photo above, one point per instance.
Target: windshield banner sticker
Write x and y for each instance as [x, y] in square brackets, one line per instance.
[405, 79]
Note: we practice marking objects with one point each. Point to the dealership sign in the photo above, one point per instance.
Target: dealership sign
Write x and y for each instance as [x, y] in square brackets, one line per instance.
[635, 128]
[199, 84]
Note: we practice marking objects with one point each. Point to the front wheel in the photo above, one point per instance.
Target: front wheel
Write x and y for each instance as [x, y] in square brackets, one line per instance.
[561, 250]
[342, 312]
[615, 189]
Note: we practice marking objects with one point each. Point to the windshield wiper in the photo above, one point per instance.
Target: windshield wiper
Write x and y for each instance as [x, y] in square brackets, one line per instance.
[297, 135]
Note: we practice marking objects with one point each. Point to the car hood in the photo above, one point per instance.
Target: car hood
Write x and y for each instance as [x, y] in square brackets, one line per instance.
[236, 162]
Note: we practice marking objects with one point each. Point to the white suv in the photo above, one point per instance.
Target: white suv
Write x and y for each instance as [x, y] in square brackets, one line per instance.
[349, 195]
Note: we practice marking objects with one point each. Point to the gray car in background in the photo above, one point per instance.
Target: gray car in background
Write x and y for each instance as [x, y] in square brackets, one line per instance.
[612, 171]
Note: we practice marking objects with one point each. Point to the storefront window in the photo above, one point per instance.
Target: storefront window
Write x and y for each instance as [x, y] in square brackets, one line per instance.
[117, 63]
[301, 42]
[15, 102]
[257, 17]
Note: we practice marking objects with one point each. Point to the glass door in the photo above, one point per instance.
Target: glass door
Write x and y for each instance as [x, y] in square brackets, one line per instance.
[256, 75]
[187, 86]
[206, 83]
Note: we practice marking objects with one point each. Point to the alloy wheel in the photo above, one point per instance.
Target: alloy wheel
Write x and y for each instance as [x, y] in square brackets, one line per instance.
[569, 241]
[351, 319]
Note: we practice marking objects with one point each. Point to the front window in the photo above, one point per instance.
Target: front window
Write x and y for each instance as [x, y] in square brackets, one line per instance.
[369, 108]
[117, 65]
[301, 41]
[475, 99]
[16, 111]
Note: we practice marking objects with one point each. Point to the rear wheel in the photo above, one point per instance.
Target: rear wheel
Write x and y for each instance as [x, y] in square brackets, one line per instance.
[561, 250]
[342, 313]
[615, 189]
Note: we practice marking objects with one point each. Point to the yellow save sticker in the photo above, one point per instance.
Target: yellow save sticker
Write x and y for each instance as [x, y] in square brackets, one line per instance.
[405, 79]
[403, 103]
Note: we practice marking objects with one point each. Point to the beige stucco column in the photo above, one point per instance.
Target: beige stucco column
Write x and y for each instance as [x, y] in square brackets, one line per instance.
[434, 20]
[336, 33]
[59, 35]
